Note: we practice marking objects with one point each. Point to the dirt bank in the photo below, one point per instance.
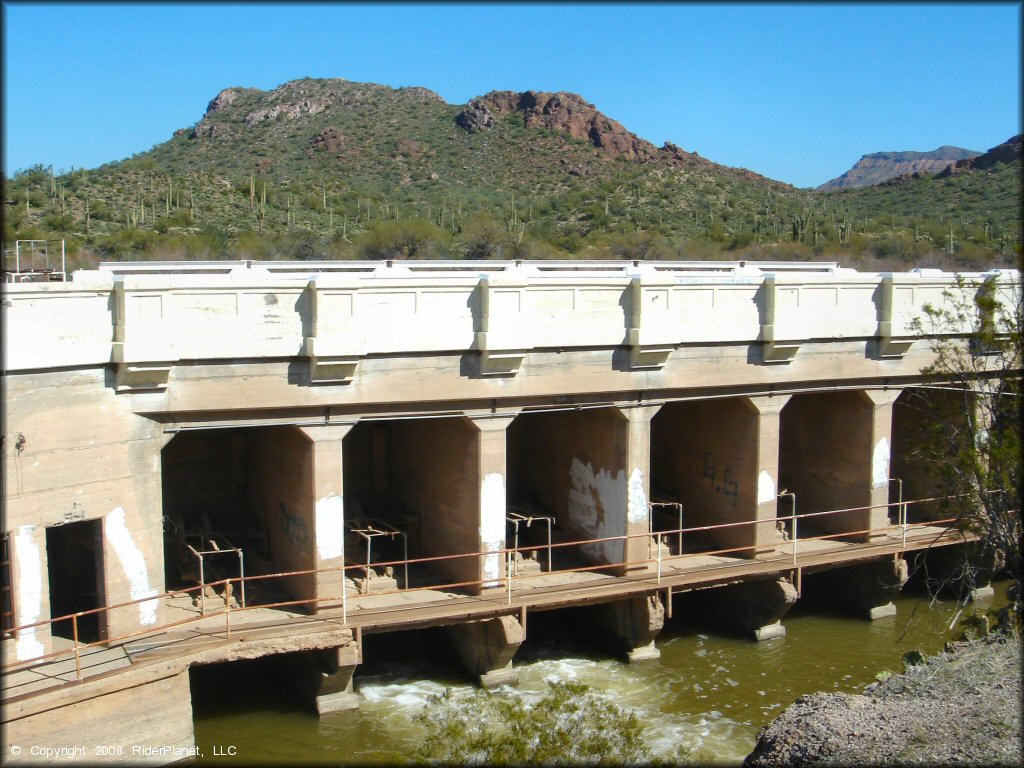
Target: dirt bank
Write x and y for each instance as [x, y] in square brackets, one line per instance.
[961, 707]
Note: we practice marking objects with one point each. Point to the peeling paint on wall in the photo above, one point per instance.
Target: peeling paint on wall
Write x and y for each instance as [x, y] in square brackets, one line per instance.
[765, 487]
[880, 464]
[30, 591]
[597, 508]
[133, 563]
[330, 526]
[636, 511]
[492, 523]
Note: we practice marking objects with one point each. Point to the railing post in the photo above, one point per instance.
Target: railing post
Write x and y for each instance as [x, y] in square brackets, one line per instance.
[680, 535]
[659, 558]
[202, 587]
[508, 574]
[78, 658]
[227, 607]
[241, 573]
[794, 539]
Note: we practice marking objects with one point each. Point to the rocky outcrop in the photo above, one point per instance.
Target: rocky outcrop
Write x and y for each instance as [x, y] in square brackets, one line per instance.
[960, 708]
[881, 166]
[1006, 152]
[330, 140]
[286, 110]
[571, 114]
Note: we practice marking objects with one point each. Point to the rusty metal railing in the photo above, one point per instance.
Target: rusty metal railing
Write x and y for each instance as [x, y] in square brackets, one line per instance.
[657, 563]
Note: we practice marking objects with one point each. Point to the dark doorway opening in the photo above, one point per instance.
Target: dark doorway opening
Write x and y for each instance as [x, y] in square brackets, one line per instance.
[74, 554]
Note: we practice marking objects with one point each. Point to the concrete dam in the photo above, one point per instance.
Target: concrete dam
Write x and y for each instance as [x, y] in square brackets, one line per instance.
[212, 461]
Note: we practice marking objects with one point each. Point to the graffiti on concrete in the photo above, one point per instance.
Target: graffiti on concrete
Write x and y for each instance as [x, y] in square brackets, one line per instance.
[726, 486]
[295, 529]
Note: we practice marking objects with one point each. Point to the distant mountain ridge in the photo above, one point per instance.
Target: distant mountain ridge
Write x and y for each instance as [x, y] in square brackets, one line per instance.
[881, 166]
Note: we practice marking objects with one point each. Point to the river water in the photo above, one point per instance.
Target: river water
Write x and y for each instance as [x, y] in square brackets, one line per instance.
[711, 691]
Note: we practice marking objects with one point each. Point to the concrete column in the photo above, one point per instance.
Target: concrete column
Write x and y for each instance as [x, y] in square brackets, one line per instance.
[638, 489]
[327, 496]
[632, 625]
[881, 441]
[867, 589]
[755, 608]
[491, 475]
[485, 648]
[769, 410]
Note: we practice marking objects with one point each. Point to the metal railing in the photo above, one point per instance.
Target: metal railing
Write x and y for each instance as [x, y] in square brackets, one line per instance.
[786, 561]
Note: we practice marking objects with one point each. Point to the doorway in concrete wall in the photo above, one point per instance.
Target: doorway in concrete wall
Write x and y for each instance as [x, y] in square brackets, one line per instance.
[74, 554]
[239, 500]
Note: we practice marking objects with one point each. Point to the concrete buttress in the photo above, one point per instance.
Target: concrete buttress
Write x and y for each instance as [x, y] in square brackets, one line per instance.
[485, 648]
[632, 625]
[755, 608]
[867, 589]
[325, 676]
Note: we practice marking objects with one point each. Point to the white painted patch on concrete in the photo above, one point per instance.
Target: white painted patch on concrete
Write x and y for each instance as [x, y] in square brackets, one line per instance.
[636, 511]
[597, 506]
[765, 487]
[133, 563]
[330, 526]
[880, 464]
[30, 592]
[492, 524]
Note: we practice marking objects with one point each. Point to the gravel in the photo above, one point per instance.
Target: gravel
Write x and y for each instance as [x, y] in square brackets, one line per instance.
[962, 707]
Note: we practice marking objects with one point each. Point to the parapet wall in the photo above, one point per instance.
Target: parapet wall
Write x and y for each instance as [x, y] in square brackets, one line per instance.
[145, 321]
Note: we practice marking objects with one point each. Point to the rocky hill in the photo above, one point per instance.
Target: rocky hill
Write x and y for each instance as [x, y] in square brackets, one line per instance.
[882, 166]
[1007, 152]
[329, 168]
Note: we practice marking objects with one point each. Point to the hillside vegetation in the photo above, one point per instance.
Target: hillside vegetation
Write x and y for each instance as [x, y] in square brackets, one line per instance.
[334, 169]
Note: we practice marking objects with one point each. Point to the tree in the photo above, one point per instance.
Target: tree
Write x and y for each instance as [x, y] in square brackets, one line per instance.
[975, 456]
[571, 724]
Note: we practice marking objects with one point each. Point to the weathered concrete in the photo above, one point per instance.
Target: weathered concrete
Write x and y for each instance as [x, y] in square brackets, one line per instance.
[866, 589]
[485, 648]
[632, 625]
[137, 717]
[272, 365]
[325, 677]
[755, 608]
[719, 458]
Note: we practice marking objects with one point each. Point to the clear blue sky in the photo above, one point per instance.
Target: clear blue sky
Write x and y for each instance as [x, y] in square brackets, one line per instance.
[795, 92]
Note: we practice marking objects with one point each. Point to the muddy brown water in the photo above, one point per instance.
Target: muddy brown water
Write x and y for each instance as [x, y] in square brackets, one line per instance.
[711, 691]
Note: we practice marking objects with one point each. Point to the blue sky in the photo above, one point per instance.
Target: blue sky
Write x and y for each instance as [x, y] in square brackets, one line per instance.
[796, 92]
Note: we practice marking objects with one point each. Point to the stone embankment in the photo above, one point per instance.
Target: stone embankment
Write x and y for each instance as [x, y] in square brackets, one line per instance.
[960, 707]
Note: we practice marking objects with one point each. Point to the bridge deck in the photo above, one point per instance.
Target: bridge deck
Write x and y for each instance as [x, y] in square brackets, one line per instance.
[257, 631]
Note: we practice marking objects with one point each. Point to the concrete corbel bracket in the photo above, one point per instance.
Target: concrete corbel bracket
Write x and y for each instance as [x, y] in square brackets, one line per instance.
[332, 370]
[644, 356]
[888, 346]
[774, 350]
[503, 361]
[146, 377]
[333, 358]
[777, 351]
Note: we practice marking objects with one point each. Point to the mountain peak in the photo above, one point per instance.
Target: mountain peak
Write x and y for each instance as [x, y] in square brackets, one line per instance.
[878, 167]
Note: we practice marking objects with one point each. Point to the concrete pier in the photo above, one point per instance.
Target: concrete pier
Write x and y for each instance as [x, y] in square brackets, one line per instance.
[866, 589]
[632, 626]
[755, 608]
[485, 649]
